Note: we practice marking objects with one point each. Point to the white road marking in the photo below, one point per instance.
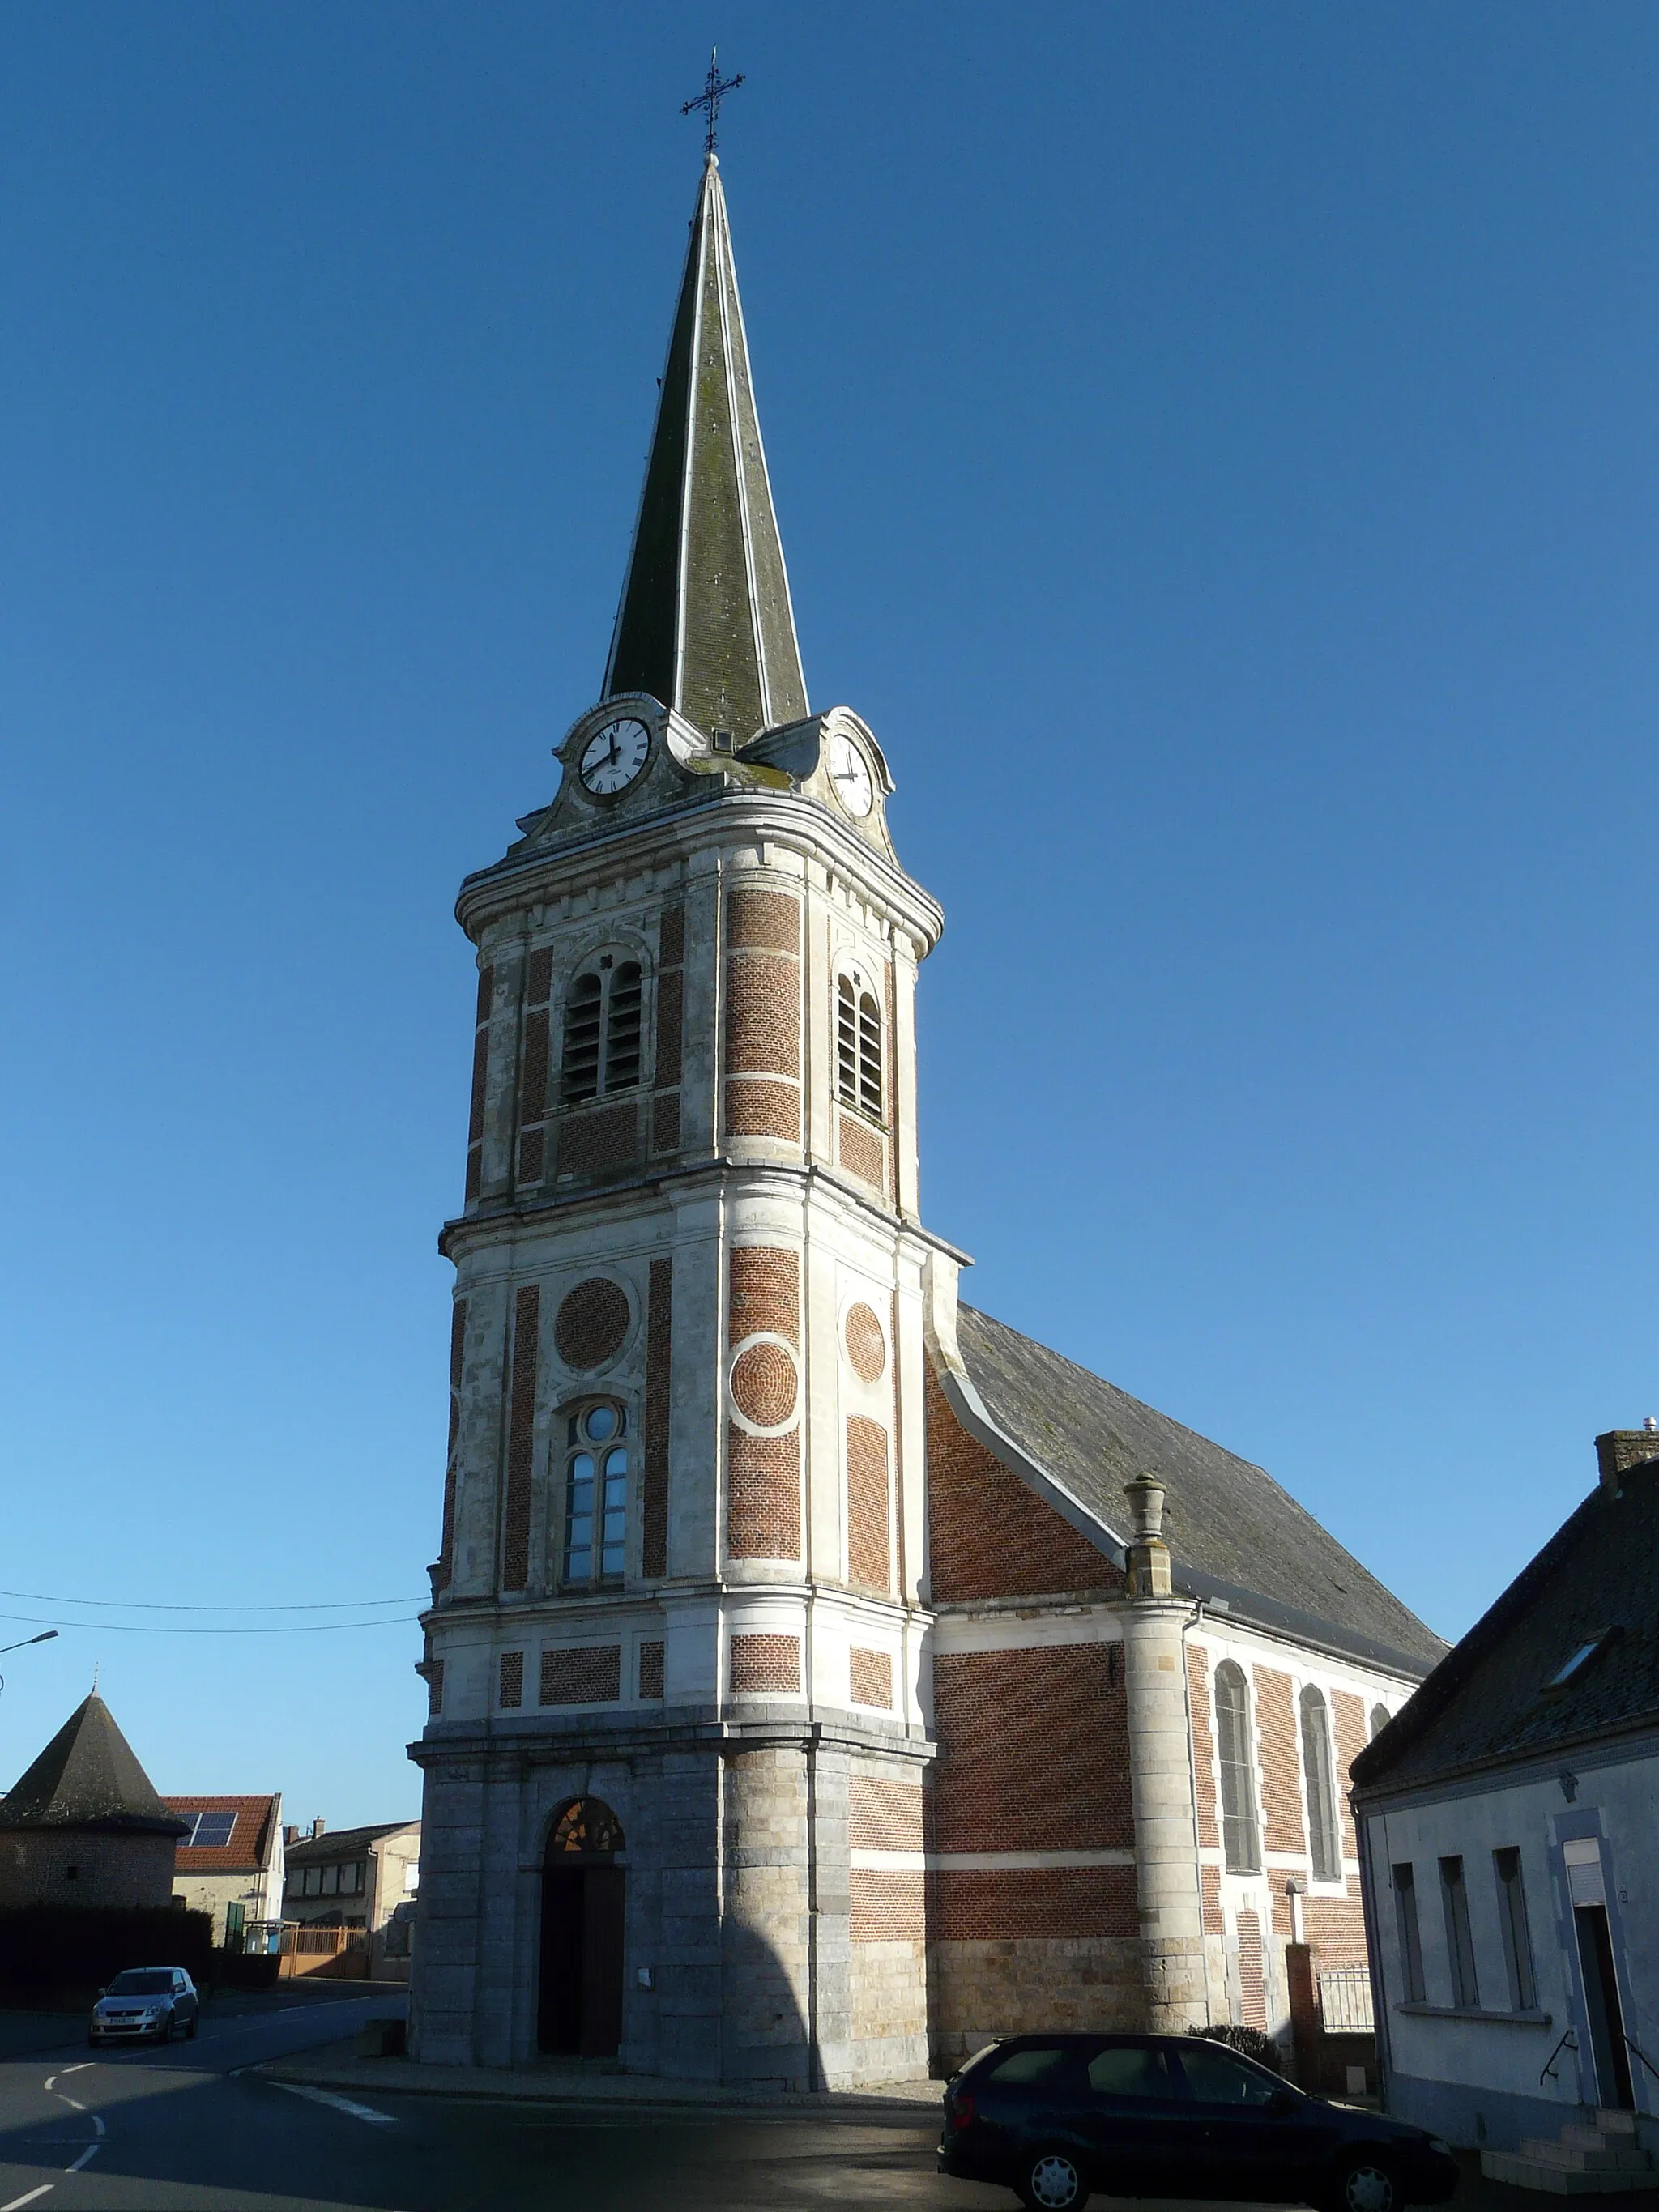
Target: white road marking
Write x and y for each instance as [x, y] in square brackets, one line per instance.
[18, 2202]
[99, 2124]
[51, 2080]
[328, 2097]
[91, 2151]
[65, 2071]
[69, 2101]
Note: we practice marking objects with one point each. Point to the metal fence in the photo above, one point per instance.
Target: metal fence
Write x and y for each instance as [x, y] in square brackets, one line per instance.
[1345, 2001]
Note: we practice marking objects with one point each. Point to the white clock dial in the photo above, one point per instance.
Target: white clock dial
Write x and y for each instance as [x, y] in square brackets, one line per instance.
[614, 756]
[850, 775]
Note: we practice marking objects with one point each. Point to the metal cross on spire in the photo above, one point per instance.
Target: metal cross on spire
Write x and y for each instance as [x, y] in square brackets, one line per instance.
[714, 91]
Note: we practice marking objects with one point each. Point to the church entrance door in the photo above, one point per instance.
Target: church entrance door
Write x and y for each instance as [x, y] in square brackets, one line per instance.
[584, 1894]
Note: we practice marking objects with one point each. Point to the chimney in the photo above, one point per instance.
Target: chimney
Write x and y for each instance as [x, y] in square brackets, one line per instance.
[1149, 1555]
[1620, 1449]
[290, 1835]
[316, 1826]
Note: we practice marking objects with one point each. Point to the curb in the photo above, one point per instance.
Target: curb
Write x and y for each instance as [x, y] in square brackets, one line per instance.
[801, 2104]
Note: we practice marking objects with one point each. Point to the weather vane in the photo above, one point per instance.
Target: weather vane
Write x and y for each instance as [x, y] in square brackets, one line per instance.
[714, 90]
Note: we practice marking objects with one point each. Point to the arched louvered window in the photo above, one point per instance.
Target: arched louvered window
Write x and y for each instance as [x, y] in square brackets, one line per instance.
[858, 1049]
[1323, 1842]
[602, 1029]
[1240, 1831]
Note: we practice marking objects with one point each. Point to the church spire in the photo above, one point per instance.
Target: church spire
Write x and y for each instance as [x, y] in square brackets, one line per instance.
[705, 623]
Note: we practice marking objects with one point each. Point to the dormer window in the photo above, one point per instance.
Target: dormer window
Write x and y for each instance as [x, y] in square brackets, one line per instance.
[602, 1030]
[858, 1048]
[1573, 1670]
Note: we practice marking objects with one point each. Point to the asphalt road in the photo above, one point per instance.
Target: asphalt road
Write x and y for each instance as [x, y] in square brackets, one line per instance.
[183, 2129]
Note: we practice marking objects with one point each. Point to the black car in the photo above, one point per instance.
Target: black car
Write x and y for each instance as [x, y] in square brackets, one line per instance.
[1053, 2116]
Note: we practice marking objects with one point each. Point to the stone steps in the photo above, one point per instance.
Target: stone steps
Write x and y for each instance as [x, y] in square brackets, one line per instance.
[1581, 2161]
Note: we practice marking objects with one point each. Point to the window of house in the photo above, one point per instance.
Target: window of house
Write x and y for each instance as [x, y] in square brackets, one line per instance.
[602, 1032]
[596, 1494]
[1241, 1831]
[1379, 1719]
[209, 1831]
[1323, 1835]
[858, 1049]
[1517, 1938]
[1459, 1940]
[1411, 1936]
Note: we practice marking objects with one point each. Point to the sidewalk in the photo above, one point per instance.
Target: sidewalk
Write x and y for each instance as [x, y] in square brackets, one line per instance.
[337, 2066]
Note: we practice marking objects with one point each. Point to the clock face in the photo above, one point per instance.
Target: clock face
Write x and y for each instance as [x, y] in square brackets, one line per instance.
[614, 756]
[850, 777]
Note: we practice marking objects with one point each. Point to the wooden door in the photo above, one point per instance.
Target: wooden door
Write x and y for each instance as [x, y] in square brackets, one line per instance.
[602, 1960]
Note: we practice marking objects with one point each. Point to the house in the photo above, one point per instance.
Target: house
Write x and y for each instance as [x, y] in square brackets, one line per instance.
[823, 1676]
[360, 1880]
[229, 1863]
[1507, 1820]
[84, 1827]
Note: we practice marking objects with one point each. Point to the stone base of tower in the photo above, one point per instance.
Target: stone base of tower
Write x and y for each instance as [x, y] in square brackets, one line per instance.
[731, 1930]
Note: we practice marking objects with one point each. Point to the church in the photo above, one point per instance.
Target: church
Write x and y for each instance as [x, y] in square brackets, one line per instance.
[823, 1677]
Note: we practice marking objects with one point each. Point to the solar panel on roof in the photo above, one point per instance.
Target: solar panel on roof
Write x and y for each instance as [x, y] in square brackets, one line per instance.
[211, 1832]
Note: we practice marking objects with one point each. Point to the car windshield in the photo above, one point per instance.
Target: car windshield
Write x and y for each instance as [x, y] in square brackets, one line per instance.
[143, 1982]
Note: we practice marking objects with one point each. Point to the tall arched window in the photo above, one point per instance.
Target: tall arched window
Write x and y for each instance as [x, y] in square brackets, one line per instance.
[601, 1024]
[1241, 1831]
[858, 1049]
[1324, 1844]
[595, 1495]
[1379, 1719]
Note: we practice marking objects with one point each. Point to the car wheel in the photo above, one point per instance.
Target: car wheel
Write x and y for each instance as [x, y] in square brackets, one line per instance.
[1053, 2183]
[1365, 2183]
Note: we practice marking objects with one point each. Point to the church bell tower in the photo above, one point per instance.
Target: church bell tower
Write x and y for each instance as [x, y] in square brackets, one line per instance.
[675, 1647]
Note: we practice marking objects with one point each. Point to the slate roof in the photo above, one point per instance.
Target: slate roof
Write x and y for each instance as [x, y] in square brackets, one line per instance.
[1233, 1533]
[341, 1843]
[88, 1776]
[250, 1839]
[1487, 1704]
[705, 623]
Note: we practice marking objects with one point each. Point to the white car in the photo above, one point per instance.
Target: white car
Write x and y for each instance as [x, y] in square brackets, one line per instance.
[145, 2004]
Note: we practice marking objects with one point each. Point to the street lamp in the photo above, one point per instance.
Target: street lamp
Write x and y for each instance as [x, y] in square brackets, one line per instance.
[45, 1637]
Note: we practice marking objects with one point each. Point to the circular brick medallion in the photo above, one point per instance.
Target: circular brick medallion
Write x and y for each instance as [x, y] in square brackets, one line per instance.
[763, 1385]
[591, 1323]
[866, 1347]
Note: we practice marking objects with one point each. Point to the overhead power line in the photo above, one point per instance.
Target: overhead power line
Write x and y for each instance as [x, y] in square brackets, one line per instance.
[148, 1605]
[158, 1628]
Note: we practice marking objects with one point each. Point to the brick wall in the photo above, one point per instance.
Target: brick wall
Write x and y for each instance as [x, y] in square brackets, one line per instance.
[990, 1535]
[651, 1670]
[1281, 1773]
[452, 1456]
[765, 1293]
[510, 1690]
[762, 1013]
[591, 1323]
[869, 1561]
[871, 1675]
[1252, 1992]
[1348, 1718]
[585, 1674]
[1026, 1902]
[598, 1138]
[1034, 1751]
[1197, 1691]
[520, 1440]
[862, 1150]
[882, 1815]
[658, 1373]
[480, 1075]
[887, 1905]
[762, 1495]
[766, 1665]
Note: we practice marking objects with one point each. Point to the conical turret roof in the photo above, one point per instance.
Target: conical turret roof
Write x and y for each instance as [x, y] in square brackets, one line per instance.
[705, 623]
[88, 1776]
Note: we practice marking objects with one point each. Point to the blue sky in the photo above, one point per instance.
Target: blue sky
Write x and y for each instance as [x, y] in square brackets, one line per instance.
[1215, 448]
